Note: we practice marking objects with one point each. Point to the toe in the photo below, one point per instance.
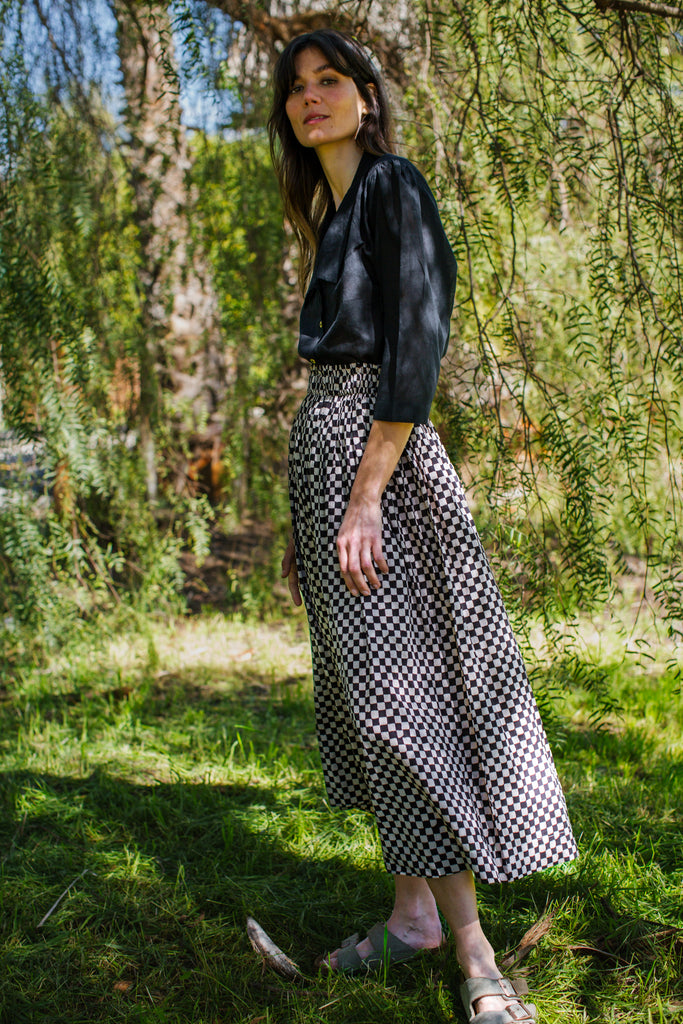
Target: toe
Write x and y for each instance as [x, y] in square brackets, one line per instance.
[326, 962]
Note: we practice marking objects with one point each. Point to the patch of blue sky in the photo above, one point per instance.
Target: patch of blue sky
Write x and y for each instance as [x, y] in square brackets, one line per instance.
[202, 39]
[62, 44]
[65, 43]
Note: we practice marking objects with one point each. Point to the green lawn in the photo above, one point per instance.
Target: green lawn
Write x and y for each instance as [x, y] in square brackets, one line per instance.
[170, 772]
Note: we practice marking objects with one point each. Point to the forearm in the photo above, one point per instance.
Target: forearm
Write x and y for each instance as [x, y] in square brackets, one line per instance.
[383, 449]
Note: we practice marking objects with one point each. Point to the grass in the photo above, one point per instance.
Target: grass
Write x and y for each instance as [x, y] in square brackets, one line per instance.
[169, 771]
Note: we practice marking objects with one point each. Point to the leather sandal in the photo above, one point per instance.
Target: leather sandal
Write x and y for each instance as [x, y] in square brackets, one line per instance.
[387, 949]
[516, 1011]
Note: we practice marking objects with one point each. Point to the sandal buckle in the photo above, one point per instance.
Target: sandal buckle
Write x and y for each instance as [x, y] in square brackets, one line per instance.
[507, 988]
[518, 1011]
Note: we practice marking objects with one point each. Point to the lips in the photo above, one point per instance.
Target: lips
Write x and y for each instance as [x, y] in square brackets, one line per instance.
[315, 118]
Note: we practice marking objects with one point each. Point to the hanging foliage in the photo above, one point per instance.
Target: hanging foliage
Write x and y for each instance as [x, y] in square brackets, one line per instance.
[555, 136]
[552, 134]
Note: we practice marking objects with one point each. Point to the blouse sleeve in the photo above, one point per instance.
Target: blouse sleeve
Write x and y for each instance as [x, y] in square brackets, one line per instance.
[415, 271]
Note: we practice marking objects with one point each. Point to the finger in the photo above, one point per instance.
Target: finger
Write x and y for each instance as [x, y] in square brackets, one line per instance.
[350, 568]
[357, 574]
[351, 586]
[288, 558]
[368, 567]
[294, 591]
[343, 556]
[380, 560]
[349, 572]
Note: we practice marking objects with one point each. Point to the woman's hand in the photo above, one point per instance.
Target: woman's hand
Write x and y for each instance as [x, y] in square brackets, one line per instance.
[359, 541]
[290, 572]
[359, 546]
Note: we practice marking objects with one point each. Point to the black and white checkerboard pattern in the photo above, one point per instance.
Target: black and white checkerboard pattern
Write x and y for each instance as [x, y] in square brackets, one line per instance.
[424, 711]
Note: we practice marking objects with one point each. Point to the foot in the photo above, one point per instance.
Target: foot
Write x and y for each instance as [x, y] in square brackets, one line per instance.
[477, 960]
[475, 991]
[421, 931]
[480, 963]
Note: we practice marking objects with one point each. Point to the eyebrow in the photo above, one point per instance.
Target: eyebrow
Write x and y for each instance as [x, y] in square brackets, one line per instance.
[316, 71]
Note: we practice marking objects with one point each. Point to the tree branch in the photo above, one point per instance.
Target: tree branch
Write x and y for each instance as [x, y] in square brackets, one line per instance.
[276, 27]
[645, 6]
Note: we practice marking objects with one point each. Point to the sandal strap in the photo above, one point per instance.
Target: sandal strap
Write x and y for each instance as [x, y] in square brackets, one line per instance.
[387, 949]
[383, 940]
[477, 988]
[500, 1017]
[474, 989]
[519, 1011]
[348, 958]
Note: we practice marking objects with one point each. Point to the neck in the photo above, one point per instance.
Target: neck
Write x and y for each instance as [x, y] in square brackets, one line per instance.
[339, 163]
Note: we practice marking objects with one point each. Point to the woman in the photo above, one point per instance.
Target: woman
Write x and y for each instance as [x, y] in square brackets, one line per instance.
[424, 712]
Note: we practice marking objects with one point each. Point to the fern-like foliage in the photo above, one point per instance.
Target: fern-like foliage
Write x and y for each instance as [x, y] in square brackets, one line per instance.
[555, 134]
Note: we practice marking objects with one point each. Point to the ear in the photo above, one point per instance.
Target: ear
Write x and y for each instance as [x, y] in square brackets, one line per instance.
[372, 89]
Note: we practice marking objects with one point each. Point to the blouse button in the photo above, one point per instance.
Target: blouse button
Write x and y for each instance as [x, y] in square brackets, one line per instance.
[320, 325]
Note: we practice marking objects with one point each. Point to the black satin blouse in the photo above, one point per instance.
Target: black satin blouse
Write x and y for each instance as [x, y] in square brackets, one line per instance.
[382, 286]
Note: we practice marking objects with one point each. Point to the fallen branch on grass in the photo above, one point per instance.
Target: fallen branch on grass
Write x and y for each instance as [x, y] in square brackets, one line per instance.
[596, 951]
[271, 954]
[60, 898]
[529, 940]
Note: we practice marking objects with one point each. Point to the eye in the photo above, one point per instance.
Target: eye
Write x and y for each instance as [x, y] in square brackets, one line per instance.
[295, 88]
[329, 81]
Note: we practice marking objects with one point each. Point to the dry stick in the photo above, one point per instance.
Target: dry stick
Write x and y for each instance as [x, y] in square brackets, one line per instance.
[529, 940]
[270, 953]
[597, 952]
[644, 6]
[60, 898]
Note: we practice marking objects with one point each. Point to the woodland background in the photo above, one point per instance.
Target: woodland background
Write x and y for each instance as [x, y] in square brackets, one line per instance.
[148, 304]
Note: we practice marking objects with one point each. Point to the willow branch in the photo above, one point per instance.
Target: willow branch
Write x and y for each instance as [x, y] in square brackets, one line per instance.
[644, 6]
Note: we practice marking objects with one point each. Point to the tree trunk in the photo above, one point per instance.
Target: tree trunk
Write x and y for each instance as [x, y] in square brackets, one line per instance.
[182, 361]
[390, 28]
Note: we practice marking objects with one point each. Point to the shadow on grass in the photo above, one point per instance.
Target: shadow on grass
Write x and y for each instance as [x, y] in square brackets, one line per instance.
[626, 796]
[172, 872]
[156, 930]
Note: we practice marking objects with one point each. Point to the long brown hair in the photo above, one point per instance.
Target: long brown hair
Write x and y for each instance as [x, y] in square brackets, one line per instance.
[305, 192]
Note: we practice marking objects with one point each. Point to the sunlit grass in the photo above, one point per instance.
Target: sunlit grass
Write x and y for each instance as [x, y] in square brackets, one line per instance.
[169, 770]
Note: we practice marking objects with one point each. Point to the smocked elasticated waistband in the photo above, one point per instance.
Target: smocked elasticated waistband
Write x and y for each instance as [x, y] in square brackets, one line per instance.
[337, 379]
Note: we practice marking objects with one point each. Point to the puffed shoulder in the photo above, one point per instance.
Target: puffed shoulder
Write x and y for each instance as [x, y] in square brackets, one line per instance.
[391, 174]
[389, 168]
[397, 196]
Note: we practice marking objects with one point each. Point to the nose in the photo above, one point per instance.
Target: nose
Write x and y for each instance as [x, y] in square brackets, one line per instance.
[311, 93]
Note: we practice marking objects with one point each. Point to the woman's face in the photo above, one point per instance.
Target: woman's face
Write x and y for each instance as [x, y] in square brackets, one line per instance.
[323, 106]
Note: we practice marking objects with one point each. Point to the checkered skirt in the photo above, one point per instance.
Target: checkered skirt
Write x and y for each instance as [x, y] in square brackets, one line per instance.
[424, 711]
